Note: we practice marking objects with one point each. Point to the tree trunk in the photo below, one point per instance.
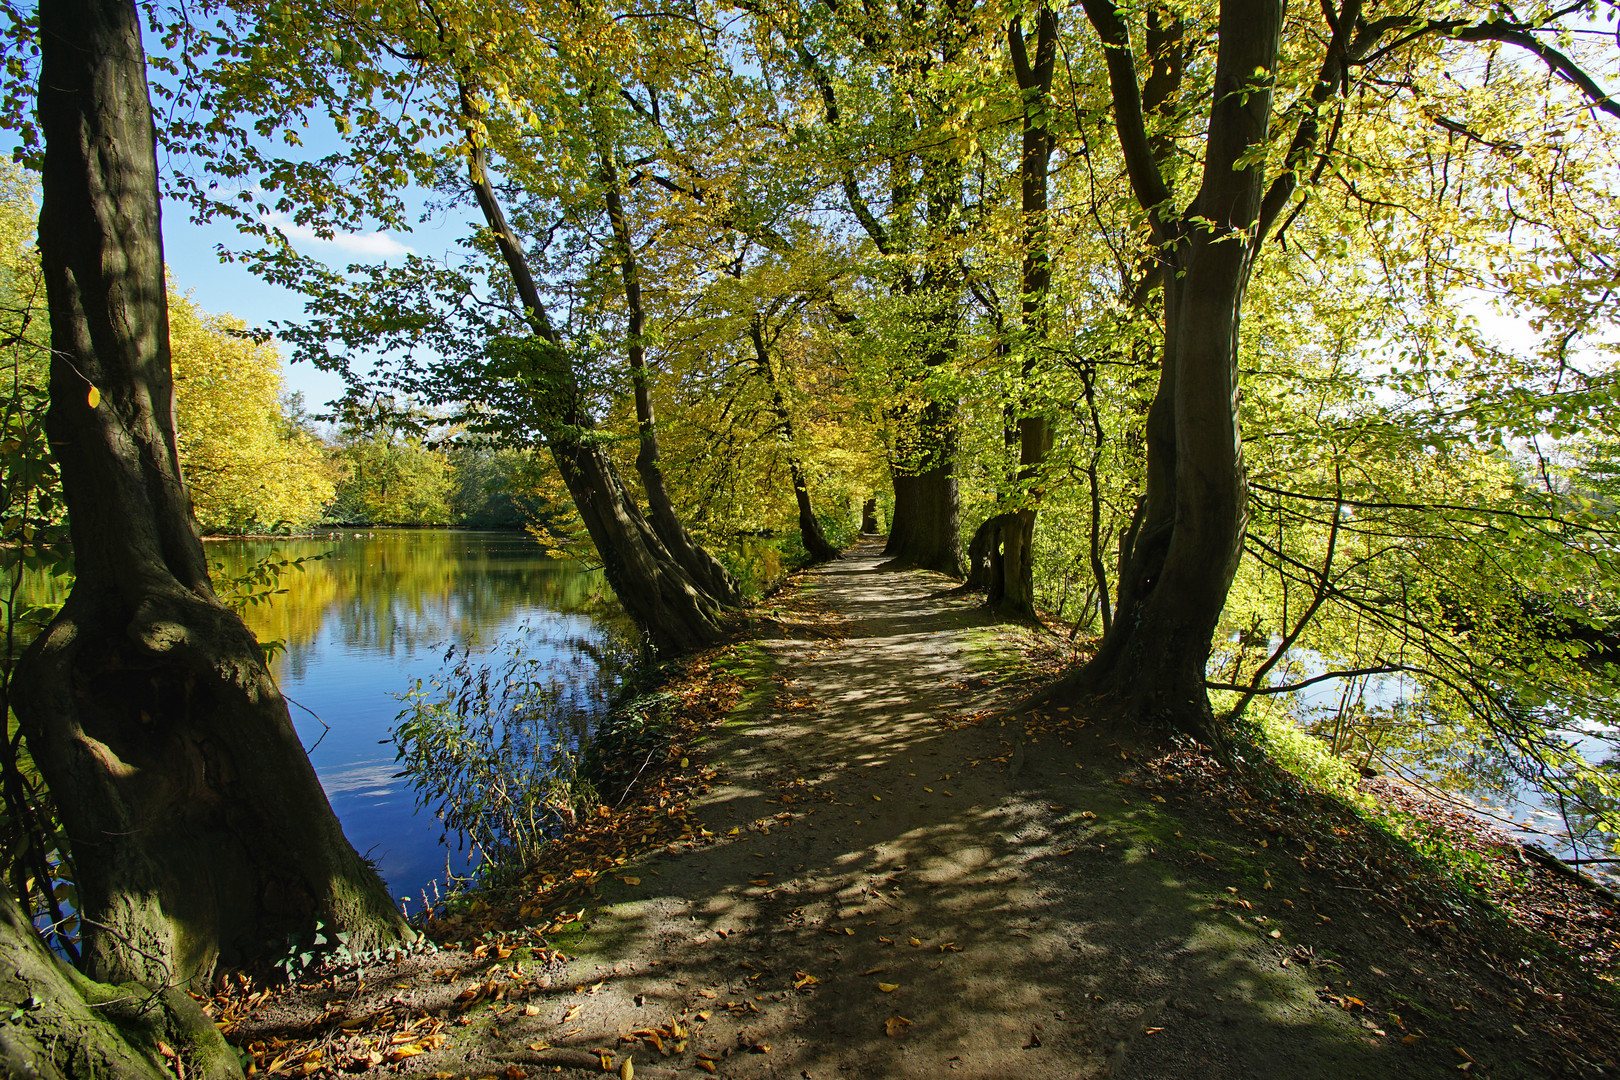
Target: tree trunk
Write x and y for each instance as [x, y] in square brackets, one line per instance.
[869, 521]
[656, 592]
[1185, 546]
[1014, 593]
[904, 518]
[984, 558]
[816, 545]
[66, 1027]
[703, 567]
[674, 612]
[926, 531]
[199, 832]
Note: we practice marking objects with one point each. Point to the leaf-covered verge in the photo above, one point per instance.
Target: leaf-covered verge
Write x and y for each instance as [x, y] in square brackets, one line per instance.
[646, 766]
[1500, 941]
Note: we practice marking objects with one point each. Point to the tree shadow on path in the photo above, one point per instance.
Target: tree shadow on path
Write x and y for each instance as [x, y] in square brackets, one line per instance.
[885, 900]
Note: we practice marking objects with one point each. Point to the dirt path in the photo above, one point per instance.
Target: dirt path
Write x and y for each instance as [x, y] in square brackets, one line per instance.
[1024, 926]
[893, 891]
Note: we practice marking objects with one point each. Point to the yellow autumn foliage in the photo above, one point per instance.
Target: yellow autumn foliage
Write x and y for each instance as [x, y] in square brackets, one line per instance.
[249, 469]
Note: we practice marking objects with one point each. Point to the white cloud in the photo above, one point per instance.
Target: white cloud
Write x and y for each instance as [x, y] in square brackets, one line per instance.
[371, 245]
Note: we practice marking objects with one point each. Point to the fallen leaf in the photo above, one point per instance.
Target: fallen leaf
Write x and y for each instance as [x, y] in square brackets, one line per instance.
[631, 880]
[573, 1011]
[894, 1025]
[706, 1066]
[802, 980]
[539, 1046]
[94, 398]
[531, 1010]
[888, 988]
[627, 1071]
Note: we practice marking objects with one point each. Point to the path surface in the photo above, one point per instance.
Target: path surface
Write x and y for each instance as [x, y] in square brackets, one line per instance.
[935, 903]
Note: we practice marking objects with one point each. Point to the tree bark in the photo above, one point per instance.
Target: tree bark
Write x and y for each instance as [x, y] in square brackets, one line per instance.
[703, 567]
[1014, 593]
[903, 520]
[67, 1027]
[1184, 548]
[199, 832]
[674, 612]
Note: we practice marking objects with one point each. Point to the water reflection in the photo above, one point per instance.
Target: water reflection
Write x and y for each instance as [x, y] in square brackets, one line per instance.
[382, 610]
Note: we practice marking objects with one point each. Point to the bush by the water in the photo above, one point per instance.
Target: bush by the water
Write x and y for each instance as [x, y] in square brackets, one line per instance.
[494, 743]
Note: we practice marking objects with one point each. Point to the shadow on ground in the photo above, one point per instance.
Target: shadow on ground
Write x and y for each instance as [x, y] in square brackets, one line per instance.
[889, 899]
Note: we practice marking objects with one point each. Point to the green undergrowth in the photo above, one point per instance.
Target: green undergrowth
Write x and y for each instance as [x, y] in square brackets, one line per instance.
[1322, 795]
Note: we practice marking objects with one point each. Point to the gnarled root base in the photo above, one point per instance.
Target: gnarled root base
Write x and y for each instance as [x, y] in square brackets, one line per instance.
[68, 1028]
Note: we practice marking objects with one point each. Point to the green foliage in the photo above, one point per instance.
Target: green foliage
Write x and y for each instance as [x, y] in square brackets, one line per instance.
[390, 476]
[495, 744]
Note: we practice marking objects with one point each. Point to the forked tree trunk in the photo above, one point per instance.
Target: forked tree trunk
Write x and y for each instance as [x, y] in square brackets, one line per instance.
[869, 521]
[675, 614]
[703, 567]
[199, 831]
[674, 611]
[1186, 543]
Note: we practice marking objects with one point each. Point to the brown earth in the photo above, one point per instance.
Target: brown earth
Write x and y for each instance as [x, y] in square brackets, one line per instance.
[896, 890]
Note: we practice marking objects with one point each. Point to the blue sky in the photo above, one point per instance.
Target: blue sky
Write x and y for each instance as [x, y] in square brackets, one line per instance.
[192, 255]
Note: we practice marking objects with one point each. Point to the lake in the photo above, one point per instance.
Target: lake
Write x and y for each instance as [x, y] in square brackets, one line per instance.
[363, 624]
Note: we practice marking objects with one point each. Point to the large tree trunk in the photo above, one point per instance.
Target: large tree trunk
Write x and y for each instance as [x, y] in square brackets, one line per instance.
[199, 832]
[926, 530]
[674, 611]
[65, 1027]
[1186, 543]
[929, 535]
[703, 567]
[904, 517]
[675, 614]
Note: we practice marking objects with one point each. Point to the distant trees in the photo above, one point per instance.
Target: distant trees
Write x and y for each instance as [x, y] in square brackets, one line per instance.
[249, 468]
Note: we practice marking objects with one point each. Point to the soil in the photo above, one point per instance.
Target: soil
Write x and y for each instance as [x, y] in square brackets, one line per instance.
[890, 875]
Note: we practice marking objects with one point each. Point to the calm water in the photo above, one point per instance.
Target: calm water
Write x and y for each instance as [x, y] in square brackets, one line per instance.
[382, 611]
